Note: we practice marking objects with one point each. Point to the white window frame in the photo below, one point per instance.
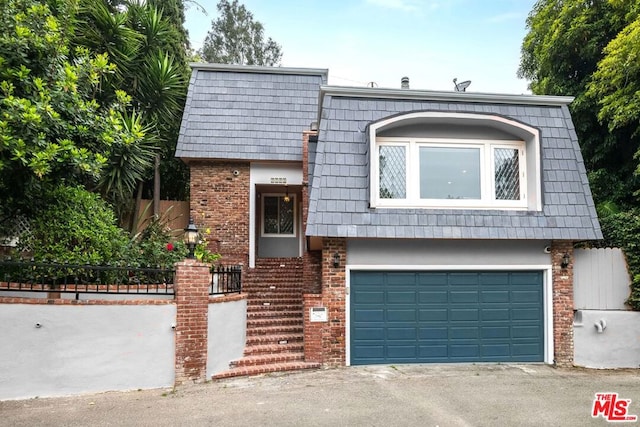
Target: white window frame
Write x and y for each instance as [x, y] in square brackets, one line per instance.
[487, 173]
[295, 216]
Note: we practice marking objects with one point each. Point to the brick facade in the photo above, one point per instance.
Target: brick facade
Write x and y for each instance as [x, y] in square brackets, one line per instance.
[330, 336]
[220, 203]
[562, 303]
[192, 313]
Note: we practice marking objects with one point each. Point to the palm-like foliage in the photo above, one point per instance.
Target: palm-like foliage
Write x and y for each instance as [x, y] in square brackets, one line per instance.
[130, 159]
[152, 70]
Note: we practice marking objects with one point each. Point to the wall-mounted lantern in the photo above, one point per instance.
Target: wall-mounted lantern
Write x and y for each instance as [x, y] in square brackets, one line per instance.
[336, 260]
[566, 259]
[191, 238]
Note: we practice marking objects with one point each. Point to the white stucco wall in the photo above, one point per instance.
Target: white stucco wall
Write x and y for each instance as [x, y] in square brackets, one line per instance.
[84, 348]
[446, 252]
[618, 346]
[227, 334]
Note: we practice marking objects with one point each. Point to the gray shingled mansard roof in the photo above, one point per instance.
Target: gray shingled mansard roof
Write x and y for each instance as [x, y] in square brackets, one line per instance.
[248, 113]
[339, 196]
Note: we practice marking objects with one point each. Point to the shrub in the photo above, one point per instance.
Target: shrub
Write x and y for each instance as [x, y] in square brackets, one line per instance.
[74, 226]
[156, 245]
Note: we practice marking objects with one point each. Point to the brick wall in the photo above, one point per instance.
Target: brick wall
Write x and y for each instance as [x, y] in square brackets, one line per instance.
[327, 340]
[220, 202]
[192, 310]
[562, 303]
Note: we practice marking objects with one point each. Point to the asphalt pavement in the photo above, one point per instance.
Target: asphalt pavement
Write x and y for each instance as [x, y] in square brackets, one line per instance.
[384, 395]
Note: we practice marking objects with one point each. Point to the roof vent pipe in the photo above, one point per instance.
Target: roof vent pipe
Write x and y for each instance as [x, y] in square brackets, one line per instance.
[404, 83]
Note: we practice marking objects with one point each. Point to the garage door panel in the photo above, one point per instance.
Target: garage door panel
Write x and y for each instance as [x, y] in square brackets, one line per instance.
[369, 315]
[401, 297]
[464, 351]
[488, 332]
[433, 315]
[525, 296]
[406, 333]
[433, 351]
[432, 279]
[433, 297]
[401, 279]
[525, 313]
[525, 332]
[464, 332]
[405, 317]
[461, 297]
[462, 279]
[525, 349]
[433, 333]
[407, 352]
[369, 297]
[463, 314]
[496, 350]
[494, 314]
[368, 352]
[371, 334]
[494, 296]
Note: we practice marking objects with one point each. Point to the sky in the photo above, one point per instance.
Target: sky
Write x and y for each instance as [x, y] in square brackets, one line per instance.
[363, 41]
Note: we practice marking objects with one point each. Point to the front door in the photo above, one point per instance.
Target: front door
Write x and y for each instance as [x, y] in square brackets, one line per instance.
[279, 228]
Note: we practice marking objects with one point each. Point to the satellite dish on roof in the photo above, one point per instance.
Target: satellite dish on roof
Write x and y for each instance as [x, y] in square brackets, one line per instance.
[462, 86]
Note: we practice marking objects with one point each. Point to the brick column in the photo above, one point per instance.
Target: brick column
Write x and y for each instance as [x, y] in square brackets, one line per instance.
[562, 303]
[192, 312]
[333, 293]
[325, 341]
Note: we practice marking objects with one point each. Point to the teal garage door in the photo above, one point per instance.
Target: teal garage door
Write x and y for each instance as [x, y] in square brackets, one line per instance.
[423, 317]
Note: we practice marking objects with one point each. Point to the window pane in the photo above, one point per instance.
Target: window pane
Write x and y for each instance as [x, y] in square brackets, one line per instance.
[286, 216]
[507, 173]
[393, 176]
[449, 173]
[271, 215]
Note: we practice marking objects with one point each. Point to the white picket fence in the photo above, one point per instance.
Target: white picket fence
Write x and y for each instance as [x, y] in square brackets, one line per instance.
[601, 280]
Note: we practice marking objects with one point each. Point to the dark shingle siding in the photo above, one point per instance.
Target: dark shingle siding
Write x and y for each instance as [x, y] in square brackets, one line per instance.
[568, 211]
[231, 114]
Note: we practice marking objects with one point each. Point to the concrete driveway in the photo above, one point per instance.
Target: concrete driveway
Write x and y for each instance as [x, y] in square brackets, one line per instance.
[402, 395]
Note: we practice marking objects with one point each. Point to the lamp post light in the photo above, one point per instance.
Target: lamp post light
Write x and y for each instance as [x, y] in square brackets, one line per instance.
[191, 238]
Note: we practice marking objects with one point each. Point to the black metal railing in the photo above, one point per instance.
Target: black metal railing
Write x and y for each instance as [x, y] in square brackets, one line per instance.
[25, 276]
[226, 280]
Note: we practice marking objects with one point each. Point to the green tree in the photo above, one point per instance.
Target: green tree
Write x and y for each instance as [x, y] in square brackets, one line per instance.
[561, 53]
[150, 54]
[52, 129]
[236, 38]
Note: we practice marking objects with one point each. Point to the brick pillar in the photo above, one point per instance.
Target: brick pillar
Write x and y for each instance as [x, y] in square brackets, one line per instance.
[562, 303]
[324, 342]
[192, 309]
[333, 295]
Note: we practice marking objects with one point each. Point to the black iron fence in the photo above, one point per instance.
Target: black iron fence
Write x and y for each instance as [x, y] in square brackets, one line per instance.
[26, 276]
[29, 276]
[226, 280]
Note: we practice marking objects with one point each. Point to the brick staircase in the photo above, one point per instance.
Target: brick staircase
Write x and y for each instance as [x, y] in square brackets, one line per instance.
[274, 320]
